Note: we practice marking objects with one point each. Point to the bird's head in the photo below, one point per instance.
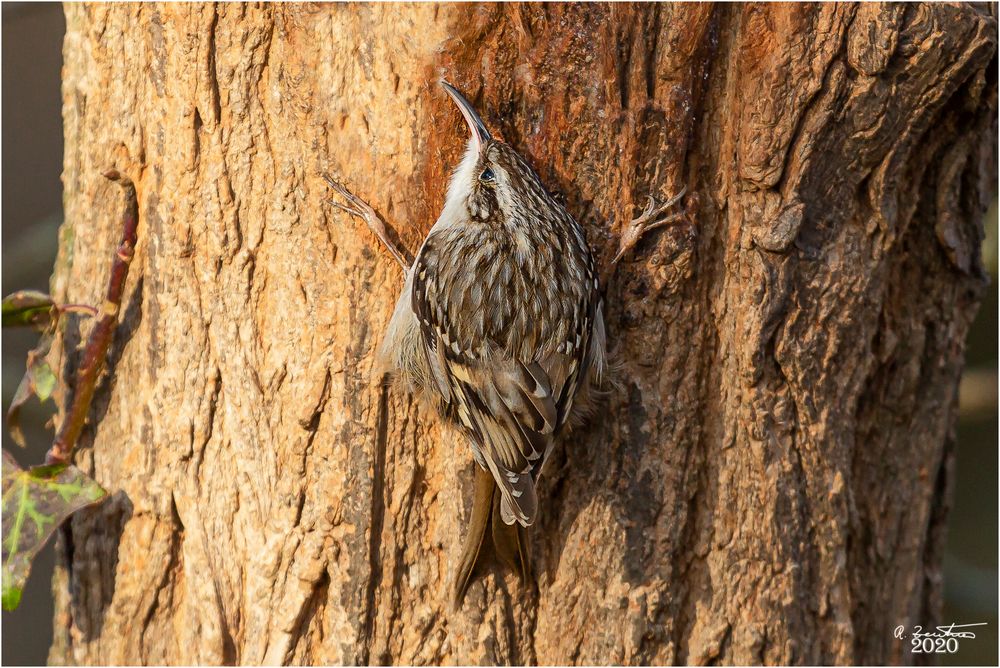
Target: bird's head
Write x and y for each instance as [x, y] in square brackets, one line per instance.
[493, 182]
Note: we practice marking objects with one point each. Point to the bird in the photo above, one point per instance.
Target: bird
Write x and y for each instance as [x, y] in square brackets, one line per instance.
[500, 324]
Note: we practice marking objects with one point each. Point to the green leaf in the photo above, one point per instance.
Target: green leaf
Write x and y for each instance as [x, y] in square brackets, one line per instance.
[11, 598]
[28, 308]
[38, 381]
[42, 378]
[35, 503]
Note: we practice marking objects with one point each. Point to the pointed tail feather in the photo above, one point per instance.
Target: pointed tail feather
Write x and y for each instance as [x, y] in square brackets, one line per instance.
[482, 506]
[510, 541]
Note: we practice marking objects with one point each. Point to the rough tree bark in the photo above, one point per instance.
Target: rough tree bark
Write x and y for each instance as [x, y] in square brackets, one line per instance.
[770, 483]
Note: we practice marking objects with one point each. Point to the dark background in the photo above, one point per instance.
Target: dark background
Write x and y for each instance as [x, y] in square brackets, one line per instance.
[32, 212]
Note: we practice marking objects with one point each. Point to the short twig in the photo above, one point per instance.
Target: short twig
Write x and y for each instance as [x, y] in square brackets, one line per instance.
[101, 335]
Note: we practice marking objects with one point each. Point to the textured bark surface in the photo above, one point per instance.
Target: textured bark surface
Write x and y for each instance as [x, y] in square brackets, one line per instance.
[769, 484]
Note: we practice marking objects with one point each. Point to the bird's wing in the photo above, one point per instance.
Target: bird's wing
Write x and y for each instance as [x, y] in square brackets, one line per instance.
[510, 408]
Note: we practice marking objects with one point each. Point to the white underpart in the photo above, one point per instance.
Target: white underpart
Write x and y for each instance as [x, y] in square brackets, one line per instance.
[401, 344]
[456, 202]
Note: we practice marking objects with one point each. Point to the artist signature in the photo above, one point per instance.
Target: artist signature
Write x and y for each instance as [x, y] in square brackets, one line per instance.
[942, 639]
[950, 631]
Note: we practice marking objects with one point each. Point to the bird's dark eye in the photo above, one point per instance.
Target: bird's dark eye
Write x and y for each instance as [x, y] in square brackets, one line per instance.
[487, 175]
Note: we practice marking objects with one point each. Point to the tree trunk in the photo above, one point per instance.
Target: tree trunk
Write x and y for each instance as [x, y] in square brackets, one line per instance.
[770, 481]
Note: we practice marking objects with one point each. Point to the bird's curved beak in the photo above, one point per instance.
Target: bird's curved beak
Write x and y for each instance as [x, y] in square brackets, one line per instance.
[476, 125]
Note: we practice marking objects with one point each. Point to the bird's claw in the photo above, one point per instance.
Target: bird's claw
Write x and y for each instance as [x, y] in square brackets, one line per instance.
[652, 217]
[359, 208]
[650, 207]
[356, 206]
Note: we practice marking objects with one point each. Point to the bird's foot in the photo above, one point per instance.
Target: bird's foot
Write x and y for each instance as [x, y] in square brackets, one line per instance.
[356, 206]
[653, 216]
